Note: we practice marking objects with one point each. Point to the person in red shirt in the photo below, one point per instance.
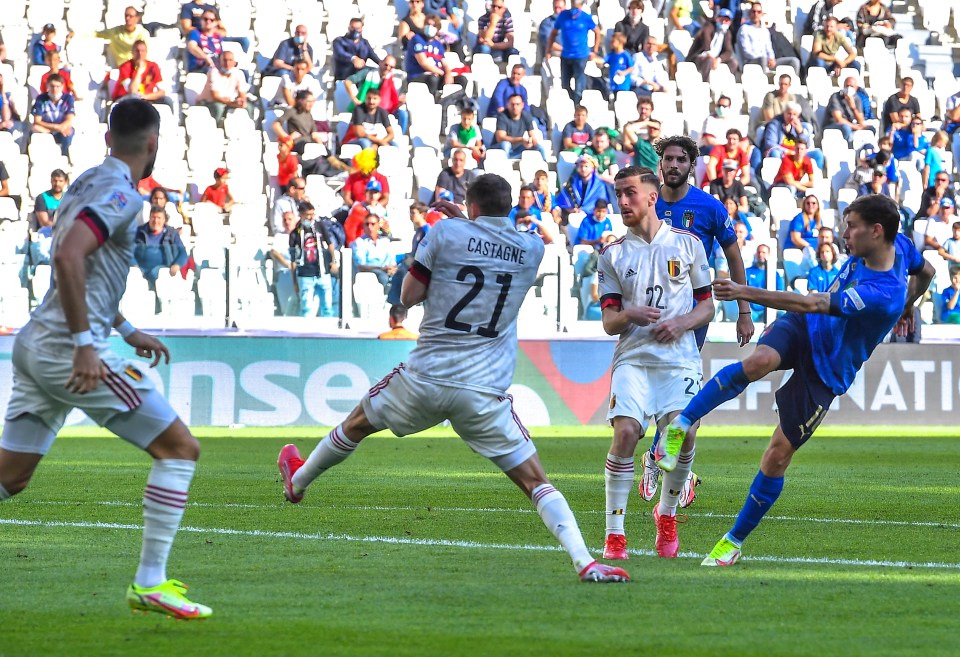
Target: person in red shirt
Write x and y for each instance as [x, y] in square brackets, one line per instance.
[796, 171]
[138, 77]
[365, 162]
[53, 61]
[734, 149]
[373, 204]
[219, 193]
[289, 165]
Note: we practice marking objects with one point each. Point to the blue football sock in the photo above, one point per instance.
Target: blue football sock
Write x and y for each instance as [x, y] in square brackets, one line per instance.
[653, 445]
[727, 384]
[764, 492]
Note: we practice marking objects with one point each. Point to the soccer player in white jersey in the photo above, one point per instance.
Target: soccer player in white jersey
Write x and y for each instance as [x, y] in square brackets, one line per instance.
[61, 359]
[648, 282]
[472, 275]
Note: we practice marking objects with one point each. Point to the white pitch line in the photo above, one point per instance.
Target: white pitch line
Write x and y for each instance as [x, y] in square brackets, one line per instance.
[709, 514]
[466, 544]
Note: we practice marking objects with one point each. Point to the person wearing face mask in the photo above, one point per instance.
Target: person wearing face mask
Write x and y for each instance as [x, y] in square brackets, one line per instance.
[424, 61]
[53, 113]
[289, 52]
[713, 46]
[351, 51]
[633, 27]
[715, 126]
[845, 111]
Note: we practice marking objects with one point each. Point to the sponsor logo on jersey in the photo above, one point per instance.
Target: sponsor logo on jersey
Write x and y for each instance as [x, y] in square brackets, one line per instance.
[673, 267]
[630, 272]
[133, 373]
[687, 220]
[118, 200]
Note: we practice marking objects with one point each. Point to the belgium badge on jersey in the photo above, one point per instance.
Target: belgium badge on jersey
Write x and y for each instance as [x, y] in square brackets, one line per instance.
[687, 220]
[673, 267]
[133, 373]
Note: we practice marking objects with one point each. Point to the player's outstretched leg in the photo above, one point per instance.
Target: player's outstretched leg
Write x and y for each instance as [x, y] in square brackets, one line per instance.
[689, 492]
[667, 542]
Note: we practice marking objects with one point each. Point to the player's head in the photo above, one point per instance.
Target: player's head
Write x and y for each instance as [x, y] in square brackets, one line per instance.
[637, 190]
[872, 220]
[134, 134]
[489, 195]
[678, 155]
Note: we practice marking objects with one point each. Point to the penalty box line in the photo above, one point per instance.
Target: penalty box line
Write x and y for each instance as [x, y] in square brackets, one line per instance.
[427, 542]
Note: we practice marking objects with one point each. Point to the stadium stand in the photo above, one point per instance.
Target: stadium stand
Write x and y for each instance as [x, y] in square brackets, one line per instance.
[230, 281]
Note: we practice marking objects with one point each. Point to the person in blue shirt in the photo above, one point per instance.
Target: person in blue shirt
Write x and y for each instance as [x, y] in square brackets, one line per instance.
[573, 27]
[951, 312]
[821, 276]
[581, 191]
[824, 337]
[526, 202]
[507, 87]
[757, 277]
[619, 65]
[593, 227]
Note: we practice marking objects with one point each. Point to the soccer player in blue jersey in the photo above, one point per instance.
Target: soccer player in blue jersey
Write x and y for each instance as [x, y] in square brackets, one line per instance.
[684, 206]
[825, 337]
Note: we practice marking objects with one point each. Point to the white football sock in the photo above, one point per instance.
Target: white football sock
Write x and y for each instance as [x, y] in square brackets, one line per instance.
[618, 476]
[557, 516]
[164, 500]
[673, 483]
[333, 449]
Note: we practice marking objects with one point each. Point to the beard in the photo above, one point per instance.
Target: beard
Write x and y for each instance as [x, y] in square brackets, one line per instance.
[148, 169]
[680, 181]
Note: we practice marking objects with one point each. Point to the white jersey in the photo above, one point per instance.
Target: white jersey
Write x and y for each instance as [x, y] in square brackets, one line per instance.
[106, 200]
[478, 274]
[664, 274]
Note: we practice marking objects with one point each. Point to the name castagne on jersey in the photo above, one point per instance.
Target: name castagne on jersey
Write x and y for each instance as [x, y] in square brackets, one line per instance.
[503, 252]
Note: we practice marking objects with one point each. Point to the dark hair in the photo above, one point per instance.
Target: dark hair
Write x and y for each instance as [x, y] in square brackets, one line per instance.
[681, 141]
[305, 206]
[645, 100]
[734, 131]
[521, 214]
[491, 194]
[398, 312]
[132, 120]
[645, 174]
[420, 207]
[159, 210]
[528, 188]
[601, 203]
[373, 90]
[877, 209]
[54, 77]
[302, 94]
[512, 96]
[154, 191]
[59, 173]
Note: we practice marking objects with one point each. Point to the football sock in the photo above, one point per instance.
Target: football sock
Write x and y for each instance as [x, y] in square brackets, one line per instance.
[653, 445]
[557, 516]
[333, 449]
[3, 493]
[618, 476]
[673, 483]
[727, 384]
[764, 491]
[164, 500]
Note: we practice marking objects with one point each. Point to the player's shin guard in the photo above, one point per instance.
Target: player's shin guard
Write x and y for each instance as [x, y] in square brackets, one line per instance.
[726, 385]
[164, 500]
[333, 449]
[673, 483]
[764, 492]
[618, 477]
[557, 516]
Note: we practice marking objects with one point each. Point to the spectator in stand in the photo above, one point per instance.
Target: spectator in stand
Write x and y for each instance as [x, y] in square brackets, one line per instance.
[734, 150]
[285, 208]
[682, 16]
[620, 67]
[726, 186]
[373, 253]
[5, 192]
[219, 192]
[713, 46]
[351, 51]
[53, 64]
[527, 222]
[542, 197]
[156, 246]
[820, 277]
[398, 315]
[715, 126]
[644, 154]
[933, 162]
[452, 30]
[53, 113]
[632, 27]
[372, 204]
[827, 47]
[756, 45]
[581, 192]
[226, 89]
[796, 171]
[191, 18]
[757, 277]
[369, 123]
[315, 261]
[875, 19]
[291, 51]
[784, 132]
[546, 27]
[466, 135]
[745, 241]
[775, 102]
[287, 293]
[9, 117]
[577, 134]
[287, 163]
[900, 121]
[495, 32]
[526, 202]
[819, 12]
[878, 184]
[160, 198]
[951, 248]
[381, 78]
[515, 130]
[412, 24]
[122, 37]
[140, 78]
[933, 195]
[845, 111]
[300, 80]
[637, 129]
[604, 154]
[940, 227]
[424, 61]
[512, 86]
[896, 103]
[951, 312]
[455, 178]
[418, 213]
[365, 165]
[805, 227]
[204, 44]
[909, 142]
[297, 123]
[649, 76]
[573, 27]
[45, 43]
[593, 226]
[46, 204]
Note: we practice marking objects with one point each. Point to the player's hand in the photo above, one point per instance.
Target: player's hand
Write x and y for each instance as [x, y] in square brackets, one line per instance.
[724, 289]
[448, 208]
[904, 325]
[669, 331]
[745, 329]
[147, 346]
[643, 315]
[88, 369]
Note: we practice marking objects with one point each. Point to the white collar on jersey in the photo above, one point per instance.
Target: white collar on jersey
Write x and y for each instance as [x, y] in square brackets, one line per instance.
[663, 230]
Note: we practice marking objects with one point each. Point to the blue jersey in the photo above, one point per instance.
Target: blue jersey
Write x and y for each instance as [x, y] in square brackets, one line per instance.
[864, 306]
[701, 214]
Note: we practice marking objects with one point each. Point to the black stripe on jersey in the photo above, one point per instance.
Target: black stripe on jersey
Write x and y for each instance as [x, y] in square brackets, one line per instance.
[95, 223]
[702, 293]
[420, 273]
[611, 301]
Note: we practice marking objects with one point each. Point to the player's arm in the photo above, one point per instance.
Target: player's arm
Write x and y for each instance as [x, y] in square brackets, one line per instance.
[146, 345]
[726, 289]
[673, 329]
[917, 284]
[738, 274]
[415, 285]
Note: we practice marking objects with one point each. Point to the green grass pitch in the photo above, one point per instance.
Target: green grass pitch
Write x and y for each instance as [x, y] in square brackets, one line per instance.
[416, 546]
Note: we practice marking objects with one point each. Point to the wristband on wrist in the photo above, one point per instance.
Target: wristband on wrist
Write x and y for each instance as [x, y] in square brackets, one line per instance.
[126, 329]
[83, 338]
[745, 312]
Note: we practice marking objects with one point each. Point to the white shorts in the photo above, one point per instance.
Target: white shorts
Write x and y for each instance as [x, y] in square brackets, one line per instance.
[644, 393]
[405, 404]
[126, 402]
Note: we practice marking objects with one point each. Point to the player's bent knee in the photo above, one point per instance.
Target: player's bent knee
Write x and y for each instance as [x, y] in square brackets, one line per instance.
[761, 362]
[357, 426]
[175, 442]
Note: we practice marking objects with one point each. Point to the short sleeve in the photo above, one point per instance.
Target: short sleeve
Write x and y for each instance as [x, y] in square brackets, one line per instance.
[723, 227]
[864, 300]
[796, 224]
[419, 46]
[699, 268]
[611, 293]
[426, 255]
[111, 212]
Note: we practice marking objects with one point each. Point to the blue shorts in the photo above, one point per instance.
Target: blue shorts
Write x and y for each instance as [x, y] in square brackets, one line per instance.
[803, 401]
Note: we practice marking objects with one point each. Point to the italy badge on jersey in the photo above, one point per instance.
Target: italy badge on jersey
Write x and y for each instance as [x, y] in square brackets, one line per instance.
[687, 220]
[673, 267]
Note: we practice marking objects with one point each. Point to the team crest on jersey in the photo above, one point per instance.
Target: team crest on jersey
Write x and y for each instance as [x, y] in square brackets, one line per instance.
[599, 276]
[687, 220]
[673, 267]
[118, 200]
[613, 401]
[133, 373]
